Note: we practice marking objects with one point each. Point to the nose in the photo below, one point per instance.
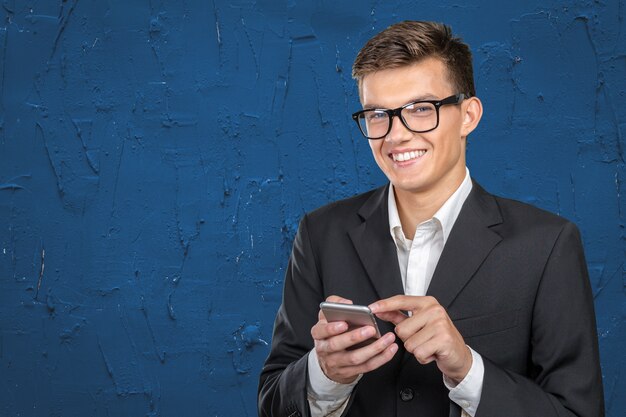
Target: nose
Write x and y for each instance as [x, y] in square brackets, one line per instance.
[398, 132]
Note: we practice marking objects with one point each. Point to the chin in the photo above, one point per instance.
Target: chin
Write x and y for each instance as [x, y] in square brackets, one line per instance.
[408, 186]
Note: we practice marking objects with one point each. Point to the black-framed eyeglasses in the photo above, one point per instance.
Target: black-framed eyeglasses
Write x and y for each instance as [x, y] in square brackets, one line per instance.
[419, 117]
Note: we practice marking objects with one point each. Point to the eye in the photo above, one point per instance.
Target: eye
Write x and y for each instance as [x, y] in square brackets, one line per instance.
[418, 109]
[375, 116]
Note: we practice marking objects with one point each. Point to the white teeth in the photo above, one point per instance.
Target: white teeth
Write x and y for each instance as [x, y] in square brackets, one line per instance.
[401, 157]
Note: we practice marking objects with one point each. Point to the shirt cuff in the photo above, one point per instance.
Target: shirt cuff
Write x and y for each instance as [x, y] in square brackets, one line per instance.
[322, 388]
[467, 393]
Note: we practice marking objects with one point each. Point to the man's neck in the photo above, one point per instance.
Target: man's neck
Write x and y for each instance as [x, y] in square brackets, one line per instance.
[415, 208]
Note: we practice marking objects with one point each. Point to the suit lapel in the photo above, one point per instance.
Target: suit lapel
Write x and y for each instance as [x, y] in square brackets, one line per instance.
[470, 242]
[375, 247]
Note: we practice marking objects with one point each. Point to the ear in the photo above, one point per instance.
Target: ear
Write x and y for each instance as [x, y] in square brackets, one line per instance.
[472, 112]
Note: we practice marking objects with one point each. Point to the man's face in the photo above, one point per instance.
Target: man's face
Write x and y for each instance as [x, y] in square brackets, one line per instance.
[431, 162]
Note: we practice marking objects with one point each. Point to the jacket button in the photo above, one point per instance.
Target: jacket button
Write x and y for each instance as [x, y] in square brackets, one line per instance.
[407, 394]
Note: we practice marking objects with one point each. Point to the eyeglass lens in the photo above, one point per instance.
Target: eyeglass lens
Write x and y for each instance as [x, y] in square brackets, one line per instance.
[417, 117]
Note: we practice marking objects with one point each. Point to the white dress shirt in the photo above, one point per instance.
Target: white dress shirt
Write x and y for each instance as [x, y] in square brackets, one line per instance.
[417, 259]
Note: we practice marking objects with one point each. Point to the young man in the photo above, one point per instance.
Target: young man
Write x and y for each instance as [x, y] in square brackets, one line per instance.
[484, 303]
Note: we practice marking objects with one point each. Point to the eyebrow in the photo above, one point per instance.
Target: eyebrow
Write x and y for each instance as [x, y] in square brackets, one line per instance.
[414, 99]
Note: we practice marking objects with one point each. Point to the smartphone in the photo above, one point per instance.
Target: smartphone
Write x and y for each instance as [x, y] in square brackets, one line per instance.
[355, 315]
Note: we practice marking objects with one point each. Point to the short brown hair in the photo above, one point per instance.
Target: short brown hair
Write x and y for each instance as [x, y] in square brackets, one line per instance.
[409, 42]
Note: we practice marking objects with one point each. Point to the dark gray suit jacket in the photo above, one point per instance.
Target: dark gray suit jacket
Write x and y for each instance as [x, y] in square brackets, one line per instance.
[513, 279]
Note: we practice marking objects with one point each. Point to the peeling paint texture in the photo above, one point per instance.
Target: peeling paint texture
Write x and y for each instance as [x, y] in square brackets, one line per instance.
[156, 157]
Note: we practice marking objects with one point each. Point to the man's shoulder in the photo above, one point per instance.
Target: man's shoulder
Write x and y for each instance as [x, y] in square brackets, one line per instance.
[519, 214]
[527, 211]
[521, 224]
[347, 209]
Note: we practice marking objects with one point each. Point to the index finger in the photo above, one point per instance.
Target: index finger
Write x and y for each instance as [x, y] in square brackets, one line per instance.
[400, 303]
[395, 317]
[323, 330]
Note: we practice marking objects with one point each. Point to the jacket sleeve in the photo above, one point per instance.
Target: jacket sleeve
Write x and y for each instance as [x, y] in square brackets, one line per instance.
[564, 377]
[283, 380]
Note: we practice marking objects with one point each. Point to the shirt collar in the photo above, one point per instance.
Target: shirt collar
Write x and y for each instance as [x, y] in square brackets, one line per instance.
[446, 215]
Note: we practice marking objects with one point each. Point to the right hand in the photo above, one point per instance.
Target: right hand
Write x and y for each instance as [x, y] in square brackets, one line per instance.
[332, 340]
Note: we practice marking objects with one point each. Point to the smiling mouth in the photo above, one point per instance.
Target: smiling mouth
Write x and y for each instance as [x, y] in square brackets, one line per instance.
[407, 156]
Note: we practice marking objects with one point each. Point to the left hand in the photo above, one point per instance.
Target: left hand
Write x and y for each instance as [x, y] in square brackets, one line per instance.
[332, 341]
[428, 333]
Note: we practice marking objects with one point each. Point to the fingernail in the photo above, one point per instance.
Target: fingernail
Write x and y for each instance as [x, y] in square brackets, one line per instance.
[340, 326]
[367, 331]
[393, 348]
[373, 307]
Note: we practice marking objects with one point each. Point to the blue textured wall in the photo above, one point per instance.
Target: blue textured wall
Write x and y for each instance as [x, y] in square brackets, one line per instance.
[155, 158]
